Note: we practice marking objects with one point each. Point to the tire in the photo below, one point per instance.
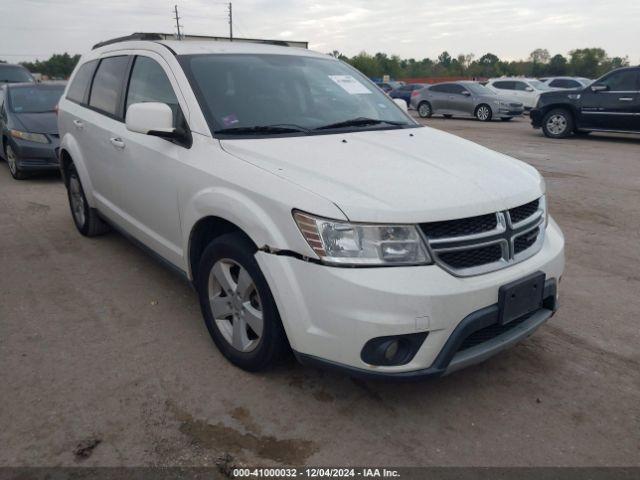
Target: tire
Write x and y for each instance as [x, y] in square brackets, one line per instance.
[86, 219]
[12, 161]
[557, 123]
[230, 281]
[425, 110]
[483, 112]
[506, 119]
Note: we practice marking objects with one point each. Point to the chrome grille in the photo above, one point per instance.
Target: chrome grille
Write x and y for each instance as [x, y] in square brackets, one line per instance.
[475, 245]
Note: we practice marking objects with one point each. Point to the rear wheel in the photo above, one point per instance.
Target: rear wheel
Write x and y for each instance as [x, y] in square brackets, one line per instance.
[85, 218]
[557, 123]
[237, 305]
[424, 110]
[483, 112]
[12, 161]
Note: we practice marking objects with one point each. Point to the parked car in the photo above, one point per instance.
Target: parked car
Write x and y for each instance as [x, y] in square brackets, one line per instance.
[389, 86]
[404, 92]
[567, 82]
[523, 90]
[609, 104]
[29, 128]
[465, 99]
[14, 74]
[328, 222]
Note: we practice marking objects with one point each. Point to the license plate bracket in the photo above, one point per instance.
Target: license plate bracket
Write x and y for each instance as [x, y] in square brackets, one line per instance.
[521, 297]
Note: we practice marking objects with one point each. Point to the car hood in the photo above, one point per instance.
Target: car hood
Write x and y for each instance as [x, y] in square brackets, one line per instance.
[38, 122]
[402, 176]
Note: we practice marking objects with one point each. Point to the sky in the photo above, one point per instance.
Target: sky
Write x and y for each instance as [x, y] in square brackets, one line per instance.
[511, 29]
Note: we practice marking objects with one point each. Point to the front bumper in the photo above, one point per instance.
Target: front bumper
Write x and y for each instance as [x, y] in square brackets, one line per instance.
[330, 313]
[536, 118]
[510, 112]
[36, 156]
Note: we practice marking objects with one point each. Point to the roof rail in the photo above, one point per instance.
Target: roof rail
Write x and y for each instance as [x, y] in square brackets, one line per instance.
[127, 38]
[169, 36]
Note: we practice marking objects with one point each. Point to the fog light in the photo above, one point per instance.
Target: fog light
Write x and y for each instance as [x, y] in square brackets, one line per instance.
[393, 350]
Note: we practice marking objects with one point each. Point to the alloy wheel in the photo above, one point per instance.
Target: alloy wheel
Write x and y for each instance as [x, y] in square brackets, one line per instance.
[424, 110]
[557, 124]
[235, 305]
[483, 113]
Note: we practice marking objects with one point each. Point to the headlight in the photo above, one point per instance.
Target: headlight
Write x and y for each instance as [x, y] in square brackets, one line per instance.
[344, 243]
[30, 137]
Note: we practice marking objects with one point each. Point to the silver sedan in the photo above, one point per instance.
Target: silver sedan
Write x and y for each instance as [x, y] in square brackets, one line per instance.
[465, 98]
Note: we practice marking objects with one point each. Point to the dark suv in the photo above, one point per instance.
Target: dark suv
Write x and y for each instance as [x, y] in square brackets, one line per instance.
[610, 104]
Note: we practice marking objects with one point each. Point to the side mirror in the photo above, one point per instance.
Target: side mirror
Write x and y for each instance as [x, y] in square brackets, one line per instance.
[466, 93]
[401, 103]
[598, 87]
[151, 118]
[529, 89]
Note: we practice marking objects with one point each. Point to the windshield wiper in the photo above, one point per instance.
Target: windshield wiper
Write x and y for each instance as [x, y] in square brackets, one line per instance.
[262, 129]
[359, 122]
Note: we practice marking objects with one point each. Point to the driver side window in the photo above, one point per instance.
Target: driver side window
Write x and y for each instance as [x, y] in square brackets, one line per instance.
[625, 81]
[149, 83]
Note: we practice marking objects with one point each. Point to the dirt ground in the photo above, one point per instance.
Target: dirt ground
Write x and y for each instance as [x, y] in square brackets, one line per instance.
[104, 358]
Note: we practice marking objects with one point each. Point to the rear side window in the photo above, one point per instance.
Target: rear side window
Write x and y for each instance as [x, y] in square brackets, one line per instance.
[439, 88]
[107, 84]
[504, 85]
[80, 85]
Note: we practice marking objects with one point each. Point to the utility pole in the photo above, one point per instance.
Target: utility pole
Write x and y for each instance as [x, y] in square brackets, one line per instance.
[177, 18]
[230, 22]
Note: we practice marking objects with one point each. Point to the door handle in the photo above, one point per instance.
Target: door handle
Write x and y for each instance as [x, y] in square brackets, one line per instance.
[626, 99]
[79, 125]
[117, 142]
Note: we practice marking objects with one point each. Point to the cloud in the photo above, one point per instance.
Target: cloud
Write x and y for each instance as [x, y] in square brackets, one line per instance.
[411, 28]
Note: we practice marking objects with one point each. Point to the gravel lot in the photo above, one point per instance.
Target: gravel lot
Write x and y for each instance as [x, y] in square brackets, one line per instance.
[104, 358]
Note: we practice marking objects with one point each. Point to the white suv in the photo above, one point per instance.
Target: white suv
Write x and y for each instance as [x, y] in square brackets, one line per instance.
[523, 90]
[309, 211]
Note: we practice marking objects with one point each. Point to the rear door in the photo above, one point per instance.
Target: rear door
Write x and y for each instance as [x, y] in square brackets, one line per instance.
[102, 128]
[438, 96]
[615, 108]
[506, 89]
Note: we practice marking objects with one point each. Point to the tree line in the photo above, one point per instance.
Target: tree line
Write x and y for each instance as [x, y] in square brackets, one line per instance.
[59, 65]
[583, 62]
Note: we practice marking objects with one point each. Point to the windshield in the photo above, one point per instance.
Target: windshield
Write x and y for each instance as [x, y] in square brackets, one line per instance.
[36, 99]
[539, 85]
[479, 89]
[13, 74]
[297, 94]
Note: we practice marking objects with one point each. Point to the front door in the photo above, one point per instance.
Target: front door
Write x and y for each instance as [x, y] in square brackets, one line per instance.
[612, 103]
[150, 166]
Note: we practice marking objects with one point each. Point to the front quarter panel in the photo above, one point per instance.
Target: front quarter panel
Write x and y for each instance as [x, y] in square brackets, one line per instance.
[258, 202]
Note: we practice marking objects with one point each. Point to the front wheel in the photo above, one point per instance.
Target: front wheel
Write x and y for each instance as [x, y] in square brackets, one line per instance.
[483, 113]
[237, 305]
[557, 123]
[12, 161]
[424, 110]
